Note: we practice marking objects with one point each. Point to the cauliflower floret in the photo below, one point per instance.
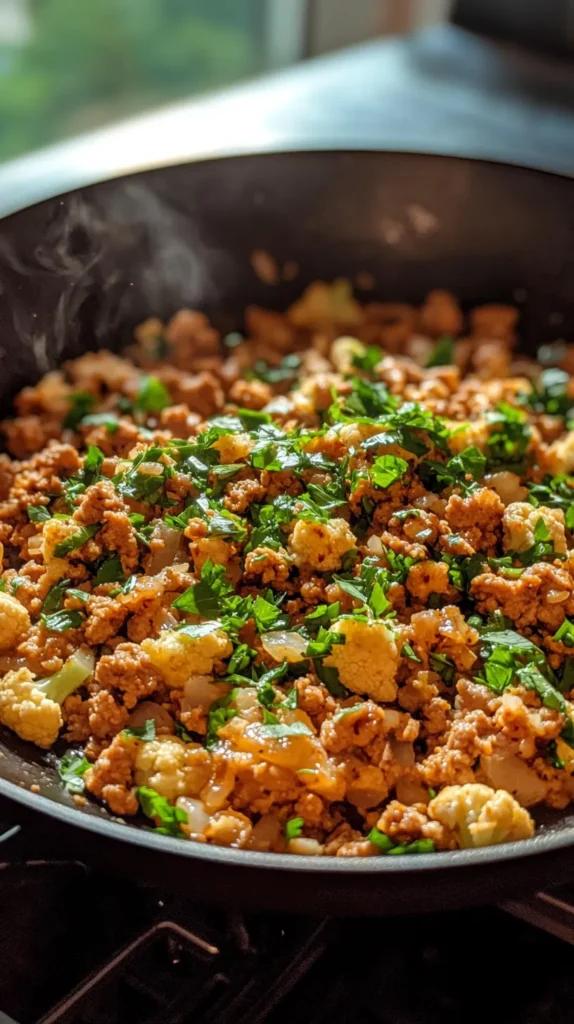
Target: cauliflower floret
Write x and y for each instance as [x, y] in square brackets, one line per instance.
[323, 303]
[561, 454]
[343, 351]
[55, 531]
[32, 709]
[172, 768]
[465, 434]
[178, 656]
[233, 447]
[519, 523]
[14, 621]
[353, 434]
[27, 710]
[368, 660]
[507, 486]
[321, 546]
[481, 816]
[214, 549]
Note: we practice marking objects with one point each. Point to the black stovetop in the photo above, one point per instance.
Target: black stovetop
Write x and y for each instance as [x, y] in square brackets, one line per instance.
[83, 947]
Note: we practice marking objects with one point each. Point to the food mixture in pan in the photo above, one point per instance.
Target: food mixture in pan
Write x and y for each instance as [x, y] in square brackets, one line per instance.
[306, 589]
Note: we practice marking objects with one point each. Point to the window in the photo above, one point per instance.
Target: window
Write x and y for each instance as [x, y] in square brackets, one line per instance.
[69, 66]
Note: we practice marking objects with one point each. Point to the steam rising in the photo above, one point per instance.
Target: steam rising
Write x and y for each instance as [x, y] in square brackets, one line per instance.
[79, 272]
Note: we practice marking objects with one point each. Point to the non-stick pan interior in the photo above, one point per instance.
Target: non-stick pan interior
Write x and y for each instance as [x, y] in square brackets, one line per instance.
[79, 271]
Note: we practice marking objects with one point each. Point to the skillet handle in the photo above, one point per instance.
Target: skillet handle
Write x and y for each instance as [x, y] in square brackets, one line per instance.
[554, 913]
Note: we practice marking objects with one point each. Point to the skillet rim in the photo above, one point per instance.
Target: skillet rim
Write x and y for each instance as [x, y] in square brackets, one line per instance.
[544, 842]
[361, 149]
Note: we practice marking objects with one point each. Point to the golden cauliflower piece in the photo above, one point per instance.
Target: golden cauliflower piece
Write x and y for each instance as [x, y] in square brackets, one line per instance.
[178, 656]
[561, 454]
[368, 660]
[481, 816]
[55, 531]
[323, 303]
[14, 621]
[171, 767]
[321, 546]
[233, 447]
[519, 523]
[465, 434]
[27, 710]
[343, 351]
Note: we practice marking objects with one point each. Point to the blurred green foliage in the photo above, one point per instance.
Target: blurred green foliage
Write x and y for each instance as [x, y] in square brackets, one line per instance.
[88, 62]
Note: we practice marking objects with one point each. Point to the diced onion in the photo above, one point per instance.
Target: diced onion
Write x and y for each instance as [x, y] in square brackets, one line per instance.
[403, 753]
[151, 468]
[201, 691]
[78, 667]
[35, 544]
[507, 485]
[197, 817]
[410, 792]
[147, 710]
[283, 646]
[375, 545]
[215, 793]
[246, 700]
[504, 770]
[305, 847]
[167, 619]
[266, 833]
[170, 548]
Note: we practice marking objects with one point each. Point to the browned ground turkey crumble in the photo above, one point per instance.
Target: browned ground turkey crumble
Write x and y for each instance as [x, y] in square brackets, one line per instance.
[306, 589]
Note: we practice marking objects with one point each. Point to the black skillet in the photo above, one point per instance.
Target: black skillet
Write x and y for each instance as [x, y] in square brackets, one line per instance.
[80, 270]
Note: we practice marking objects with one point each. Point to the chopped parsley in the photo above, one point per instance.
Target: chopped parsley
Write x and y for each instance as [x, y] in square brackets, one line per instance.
[287, 371]
[463, 470]
[71, 768]
[267, 614]
[387, 469]
[81, 403]
[54, 599]
[551, 394]
[385, 844]
[282, 730]
[38, 513]
[443, 666]
[76, 540]
[145, 732]
[443, 352]
[101, 419]
[293, 828]
[367, 360]
[554, 492]
[153, 395]
[167, 819]
[408, 652]
[219, 714]
[565, 634]
[60, 622]
[508, 440]
[109, 571]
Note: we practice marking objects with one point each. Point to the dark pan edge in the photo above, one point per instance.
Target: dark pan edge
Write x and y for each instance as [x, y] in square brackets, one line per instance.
[360, 149]
[286, 149]
[542, 843]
